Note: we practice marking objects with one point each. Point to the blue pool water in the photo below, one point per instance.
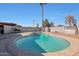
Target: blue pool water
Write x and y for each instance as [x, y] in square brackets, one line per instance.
[42, 43]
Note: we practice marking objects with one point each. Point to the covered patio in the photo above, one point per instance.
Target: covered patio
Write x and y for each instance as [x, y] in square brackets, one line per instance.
[1, 29]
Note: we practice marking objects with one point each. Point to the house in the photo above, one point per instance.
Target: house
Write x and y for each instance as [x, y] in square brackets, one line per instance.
[7, 27]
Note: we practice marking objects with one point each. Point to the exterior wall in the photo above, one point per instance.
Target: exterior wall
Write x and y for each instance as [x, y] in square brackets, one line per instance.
[60, 30]
[46, 29]
[57, 29]
[9, 29]
[28, 29]
[69, 31]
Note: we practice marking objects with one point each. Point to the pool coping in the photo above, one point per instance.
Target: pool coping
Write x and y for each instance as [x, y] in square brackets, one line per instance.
[70, 51]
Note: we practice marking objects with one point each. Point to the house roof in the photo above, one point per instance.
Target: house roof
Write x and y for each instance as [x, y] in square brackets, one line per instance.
[9, 24]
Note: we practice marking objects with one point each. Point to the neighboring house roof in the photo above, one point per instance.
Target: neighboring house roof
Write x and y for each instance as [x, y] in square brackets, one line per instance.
[1, 25]
[9, 24]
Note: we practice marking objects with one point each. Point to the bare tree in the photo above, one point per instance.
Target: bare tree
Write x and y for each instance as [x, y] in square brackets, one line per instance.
[72, 22]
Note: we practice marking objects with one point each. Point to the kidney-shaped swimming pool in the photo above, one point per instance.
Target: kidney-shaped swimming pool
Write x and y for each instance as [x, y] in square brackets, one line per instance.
[40, 42]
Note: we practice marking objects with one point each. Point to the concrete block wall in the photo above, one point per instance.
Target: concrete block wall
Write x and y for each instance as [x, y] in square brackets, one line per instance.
[57, 29]
[69, 31]
[60, 30]
[28, 29]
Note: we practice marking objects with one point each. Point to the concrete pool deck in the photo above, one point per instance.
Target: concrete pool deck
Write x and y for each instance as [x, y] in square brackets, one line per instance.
[73, 50]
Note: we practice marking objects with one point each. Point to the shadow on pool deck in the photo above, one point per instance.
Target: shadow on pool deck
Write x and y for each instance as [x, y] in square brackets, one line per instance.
[7, 45]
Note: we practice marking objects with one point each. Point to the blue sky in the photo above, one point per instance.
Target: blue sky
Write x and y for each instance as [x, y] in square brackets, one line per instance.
[24, 14]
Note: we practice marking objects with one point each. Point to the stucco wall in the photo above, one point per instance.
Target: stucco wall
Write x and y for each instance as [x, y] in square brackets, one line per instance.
[57, 29]
[60, 30]
[46, 29]
[69, 31]
[9, 29]
[28, 29]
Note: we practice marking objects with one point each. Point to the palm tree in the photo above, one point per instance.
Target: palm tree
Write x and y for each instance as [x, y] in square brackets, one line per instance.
[46, 24]
[72, 22]
[51, 24]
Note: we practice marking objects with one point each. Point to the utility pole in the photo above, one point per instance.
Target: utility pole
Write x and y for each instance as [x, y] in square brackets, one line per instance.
[42, 12]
